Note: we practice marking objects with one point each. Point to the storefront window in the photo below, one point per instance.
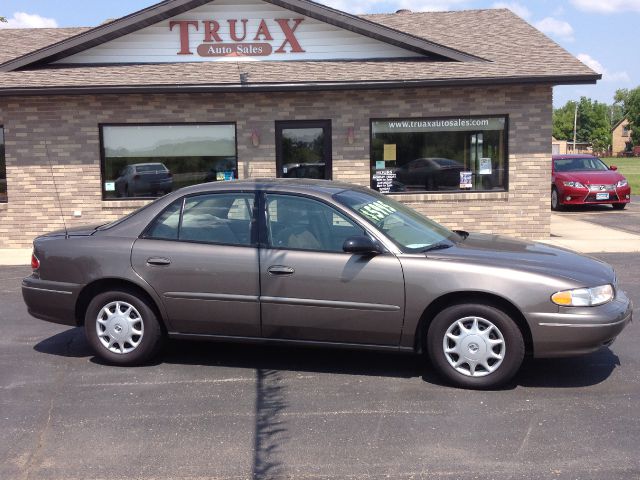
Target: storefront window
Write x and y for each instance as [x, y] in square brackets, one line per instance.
[439, 155]
[3, 169]
[148, 161]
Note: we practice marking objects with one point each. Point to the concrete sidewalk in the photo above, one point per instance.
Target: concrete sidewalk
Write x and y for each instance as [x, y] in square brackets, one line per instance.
[15, 256]
[566, 232]
[587, 237]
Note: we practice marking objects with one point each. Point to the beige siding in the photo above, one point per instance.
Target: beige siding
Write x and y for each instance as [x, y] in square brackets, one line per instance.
[64, 130]
[620, 137]
[319, 40]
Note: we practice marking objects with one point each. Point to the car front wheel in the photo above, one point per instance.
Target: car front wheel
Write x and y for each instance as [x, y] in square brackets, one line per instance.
[122, 328]
[555, 200]
[475, 346]
[619, 206]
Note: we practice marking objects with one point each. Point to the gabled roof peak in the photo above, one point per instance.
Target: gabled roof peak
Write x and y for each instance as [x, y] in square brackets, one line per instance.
[171, 8]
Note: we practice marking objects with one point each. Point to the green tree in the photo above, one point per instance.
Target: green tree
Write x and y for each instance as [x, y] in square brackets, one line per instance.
[563, 121]
[3, 19]
[630, 102]
[594, 123]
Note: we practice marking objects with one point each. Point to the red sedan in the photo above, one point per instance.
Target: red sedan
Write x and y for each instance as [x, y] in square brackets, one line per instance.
[586, 180]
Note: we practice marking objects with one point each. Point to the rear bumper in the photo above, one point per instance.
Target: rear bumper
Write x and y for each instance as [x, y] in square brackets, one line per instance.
[51, 301]
[576, 331]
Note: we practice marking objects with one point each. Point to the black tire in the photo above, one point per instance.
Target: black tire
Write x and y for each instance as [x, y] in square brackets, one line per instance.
[142, 315]
[511, 346]
[556, 205]
[619, 206]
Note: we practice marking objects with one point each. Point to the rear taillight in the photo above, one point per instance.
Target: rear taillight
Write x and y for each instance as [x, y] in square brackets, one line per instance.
[35, 263]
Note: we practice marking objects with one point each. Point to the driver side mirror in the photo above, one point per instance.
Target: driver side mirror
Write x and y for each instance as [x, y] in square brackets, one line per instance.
[613, 167]
[362, 245]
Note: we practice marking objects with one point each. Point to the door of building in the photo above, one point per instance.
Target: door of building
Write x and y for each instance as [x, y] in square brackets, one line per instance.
[303, 149]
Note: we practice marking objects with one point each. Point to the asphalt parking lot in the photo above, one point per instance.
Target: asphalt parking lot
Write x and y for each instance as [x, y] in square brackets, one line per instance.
[627, 220]
[234, 412]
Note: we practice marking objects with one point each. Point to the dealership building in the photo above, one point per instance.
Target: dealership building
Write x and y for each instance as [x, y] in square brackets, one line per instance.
[449, 112]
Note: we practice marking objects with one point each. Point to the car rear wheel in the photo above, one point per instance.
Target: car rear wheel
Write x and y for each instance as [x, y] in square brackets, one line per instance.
[122, 328]
[555, 200]
[475, 346]
[619, 206]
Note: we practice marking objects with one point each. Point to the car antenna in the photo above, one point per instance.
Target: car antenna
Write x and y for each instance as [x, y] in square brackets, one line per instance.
[55, 187]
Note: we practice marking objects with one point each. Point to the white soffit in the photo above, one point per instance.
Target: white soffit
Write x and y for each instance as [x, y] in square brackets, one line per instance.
[271, 35]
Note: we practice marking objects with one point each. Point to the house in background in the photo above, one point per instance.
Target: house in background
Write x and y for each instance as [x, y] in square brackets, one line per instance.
[565, 147]
[621, 143]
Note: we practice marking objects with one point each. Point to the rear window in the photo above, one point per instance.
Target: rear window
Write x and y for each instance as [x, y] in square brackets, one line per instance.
[151, 168]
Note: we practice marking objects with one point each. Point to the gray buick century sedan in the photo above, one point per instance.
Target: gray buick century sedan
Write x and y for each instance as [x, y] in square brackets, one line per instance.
[321, 263]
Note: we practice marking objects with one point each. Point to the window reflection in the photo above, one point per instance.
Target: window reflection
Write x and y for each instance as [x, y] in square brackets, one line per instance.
[439, 155]
[151, 160]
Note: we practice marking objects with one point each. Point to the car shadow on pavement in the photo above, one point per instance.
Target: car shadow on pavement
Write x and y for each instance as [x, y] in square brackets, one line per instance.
[573, 372]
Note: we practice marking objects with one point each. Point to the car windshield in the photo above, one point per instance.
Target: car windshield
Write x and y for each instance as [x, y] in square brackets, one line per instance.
[406, 227]
[579, 164]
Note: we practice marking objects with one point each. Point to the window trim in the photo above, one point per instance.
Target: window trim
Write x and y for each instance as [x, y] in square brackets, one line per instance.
[4, 142]
[150, 124]
[445, 192]
[325, 124]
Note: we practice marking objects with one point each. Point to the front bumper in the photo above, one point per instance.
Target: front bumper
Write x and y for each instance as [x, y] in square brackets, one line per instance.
[51, 301]
[584, 196]
[579, 330]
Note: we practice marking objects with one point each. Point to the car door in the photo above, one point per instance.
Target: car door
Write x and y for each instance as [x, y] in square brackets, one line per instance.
[312, 290]
[201, 257]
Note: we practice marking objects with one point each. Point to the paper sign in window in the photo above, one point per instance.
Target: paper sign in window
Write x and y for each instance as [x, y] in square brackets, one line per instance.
[485, 166]
[390, 152]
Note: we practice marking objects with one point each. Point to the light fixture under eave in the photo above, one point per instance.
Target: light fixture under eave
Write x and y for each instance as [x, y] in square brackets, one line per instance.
[255, 138]
[351, 136]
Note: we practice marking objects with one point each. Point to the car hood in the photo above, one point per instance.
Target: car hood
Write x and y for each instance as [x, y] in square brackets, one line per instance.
[497, 251]
[590, 178]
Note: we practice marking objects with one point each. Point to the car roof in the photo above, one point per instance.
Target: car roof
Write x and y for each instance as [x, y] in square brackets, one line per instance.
[329, 187]
[573, 155]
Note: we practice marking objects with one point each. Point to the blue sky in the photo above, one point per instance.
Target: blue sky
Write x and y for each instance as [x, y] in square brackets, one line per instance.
[599, 32]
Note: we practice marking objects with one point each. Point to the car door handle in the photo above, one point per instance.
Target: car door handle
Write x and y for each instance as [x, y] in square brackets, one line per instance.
[158, 261]
[281, 270]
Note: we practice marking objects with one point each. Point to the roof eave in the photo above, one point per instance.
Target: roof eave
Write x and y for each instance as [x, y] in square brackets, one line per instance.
[303, 86]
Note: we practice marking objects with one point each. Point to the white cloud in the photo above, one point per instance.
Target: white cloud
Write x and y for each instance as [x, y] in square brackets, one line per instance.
[27, 20]
[368, 6]
[556, 28]
[607, 76]
[607, 6]
[515, 7]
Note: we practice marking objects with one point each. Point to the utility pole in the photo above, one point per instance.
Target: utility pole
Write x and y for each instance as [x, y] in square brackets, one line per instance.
[575, 127]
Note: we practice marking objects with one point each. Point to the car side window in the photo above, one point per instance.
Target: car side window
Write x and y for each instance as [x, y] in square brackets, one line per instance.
[215, 218]
[300, 223]
[223, 218]
[165, 226]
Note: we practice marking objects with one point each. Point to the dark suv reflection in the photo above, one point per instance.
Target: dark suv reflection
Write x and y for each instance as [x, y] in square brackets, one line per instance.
[144, 179]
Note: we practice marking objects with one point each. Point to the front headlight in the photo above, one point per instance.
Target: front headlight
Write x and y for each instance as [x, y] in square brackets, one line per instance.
[621, 183]
[584, 297]
[574, 184]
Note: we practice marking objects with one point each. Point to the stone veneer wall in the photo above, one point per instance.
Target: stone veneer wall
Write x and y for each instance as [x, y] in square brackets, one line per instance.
[64, 129]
